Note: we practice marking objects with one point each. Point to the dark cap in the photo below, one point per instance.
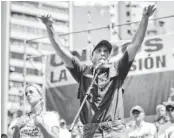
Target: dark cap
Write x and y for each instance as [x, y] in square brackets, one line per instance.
[105, 43]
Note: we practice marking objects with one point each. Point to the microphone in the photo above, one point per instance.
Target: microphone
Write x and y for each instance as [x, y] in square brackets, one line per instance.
[101, 65]
[40, 17]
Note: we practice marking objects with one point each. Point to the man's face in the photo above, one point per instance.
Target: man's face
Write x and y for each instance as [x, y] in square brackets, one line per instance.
[138, 116]
[100, 54]
[170, 111]
[32, 95]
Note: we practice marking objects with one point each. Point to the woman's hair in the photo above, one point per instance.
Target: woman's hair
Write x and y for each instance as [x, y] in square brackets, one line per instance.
[159, 107]
[40, 91]
[38, 88]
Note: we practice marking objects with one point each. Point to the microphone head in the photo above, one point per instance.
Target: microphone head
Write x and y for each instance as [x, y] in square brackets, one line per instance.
[102, 61]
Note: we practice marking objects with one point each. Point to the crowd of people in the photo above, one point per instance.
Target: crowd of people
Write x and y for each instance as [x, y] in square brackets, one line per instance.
[38, 122]
[162, 127]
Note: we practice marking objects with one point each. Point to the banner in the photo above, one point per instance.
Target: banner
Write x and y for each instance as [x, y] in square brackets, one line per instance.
[155, 55]
[148, 83]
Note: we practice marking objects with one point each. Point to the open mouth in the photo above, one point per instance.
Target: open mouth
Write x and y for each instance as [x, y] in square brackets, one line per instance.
[29, 98]
[102, 59]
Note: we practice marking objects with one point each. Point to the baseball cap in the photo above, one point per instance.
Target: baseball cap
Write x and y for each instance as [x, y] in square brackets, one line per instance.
[137, 108]
[169, 104]
[105, 43]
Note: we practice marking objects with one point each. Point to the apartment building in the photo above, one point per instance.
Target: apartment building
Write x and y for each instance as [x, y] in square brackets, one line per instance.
[28, 41]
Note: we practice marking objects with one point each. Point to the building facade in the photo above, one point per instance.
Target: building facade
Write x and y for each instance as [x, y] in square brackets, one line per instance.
[28, 35]
[29, 43]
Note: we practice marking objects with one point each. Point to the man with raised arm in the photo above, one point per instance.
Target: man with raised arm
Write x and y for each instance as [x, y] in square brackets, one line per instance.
[102, 114]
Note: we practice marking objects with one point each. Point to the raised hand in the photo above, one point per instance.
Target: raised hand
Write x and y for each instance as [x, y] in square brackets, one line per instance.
[38, 121]
[47, 20]
[21, 122]
[148, 11]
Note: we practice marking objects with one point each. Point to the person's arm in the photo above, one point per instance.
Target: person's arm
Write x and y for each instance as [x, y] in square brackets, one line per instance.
[48, 132]
[16, 133]
[140, 34]
[20, 123]
[64, 54]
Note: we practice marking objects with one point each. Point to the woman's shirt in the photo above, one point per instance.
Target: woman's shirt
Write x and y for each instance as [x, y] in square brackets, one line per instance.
[50, 119]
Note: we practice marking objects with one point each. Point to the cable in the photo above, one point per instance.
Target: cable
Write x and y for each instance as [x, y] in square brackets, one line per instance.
[34, 66]
[35, 48]
[99, 28]
[31, 57]
[28, 41]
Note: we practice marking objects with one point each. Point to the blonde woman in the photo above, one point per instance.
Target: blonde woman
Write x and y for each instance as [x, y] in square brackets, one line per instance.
[37, 123]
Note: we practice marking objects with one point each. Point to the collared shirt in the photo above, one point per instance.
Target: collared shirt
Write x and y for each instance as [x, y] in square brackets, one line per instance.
[162, 126]
[145, 130]
[169, 133]
[105, 102]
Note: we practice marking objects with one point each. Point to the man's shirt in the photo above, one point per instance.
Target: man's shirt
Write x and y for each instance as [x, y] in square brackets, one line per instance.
[105, 103]
[145, 130]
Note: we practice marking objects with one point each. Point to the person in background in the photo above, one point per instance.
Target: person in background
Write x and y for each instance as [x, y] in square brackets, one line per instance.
[77, 131]
[162, 122]
[4, 136]
[169, 132]
[80, 128]
[138, 128]
[16, 116]
[63, 131]
[37, 123]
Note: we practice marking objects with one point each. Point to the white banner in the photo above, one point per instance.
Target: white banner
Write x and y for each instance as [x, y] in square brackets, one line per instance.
[155, 55]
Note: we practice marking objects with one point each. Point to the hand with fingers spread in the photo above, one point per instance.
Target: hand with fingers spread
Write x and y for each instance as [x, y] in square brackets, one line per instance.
[148, 11]
[47, 20]
[21, 122]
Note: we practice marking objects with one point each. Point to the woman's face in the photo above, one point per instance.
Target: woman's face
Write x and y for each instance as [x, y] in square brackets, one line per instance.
[161, 112]
[32, 95]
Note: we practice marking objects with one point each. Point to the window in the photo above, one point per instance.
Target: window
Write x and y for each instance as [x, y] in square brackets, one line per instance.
[16, 55]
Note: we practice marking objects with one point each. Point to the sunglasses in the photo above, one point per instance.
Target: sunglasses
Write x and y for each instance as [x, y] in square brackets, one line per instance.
[170, 109]
[136, 112]
[28, 92]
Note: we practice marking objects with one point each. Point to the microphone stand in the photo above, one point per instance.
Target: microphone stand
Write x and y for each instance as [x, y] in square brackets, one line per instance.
[84, 100]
